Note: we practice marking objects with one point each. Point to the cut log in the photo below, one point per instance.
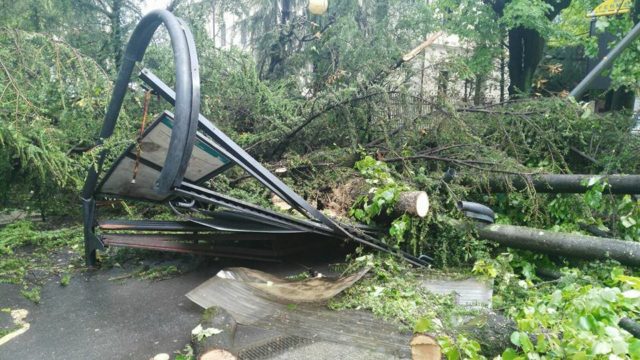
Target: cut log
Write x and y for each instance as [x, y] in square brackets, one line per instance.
[564, 184]
[342, 198]
[425, 347]
[412, 202]
[215, 336]
[570, 245]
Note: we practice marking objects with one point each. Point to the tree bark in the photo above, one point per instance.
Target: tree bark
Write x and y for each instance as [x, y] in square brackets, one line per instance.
[414, 203]
[525, 52]
[213, 21]
[525, 47]
[492, 330]
[631, 326]
[570, 245]
[116, 31]
[565, 184]
[217, 346]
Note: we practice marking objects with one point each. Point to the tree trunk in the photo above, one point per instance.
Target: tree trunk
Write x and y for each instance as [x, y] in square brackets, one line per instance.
[570, 245]
[213, 21]
[478, 93]
[278, 49]
[425, 347]
[631, 326]
[116, 31]
[525, 52]
[502, 77]
[414, 203]
[565, 184]
[492, 330]
[217, 346]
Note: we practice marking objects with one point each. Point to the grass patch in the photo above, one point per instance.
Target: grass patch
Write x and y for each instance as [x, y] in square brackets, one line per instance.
[28, 255]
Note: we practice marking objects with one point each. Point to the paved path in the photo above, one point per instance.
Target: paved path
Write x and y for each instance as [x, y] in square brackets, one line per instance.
[96, 318]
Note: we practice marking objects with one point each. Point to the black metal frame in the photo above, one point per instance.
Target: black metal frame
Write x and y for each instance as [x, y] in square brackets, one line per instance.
[171, 182]
[187, 108]
[319, 223]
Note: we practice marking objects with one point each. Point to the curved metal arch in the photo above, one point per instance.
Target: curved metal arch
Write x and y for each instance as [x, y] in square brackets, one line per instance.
[187, 105]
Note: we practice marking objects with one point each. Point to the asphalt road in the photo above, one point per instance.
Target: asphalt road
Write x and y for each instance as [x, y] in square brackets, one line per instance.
[95, 318]
[98, 318]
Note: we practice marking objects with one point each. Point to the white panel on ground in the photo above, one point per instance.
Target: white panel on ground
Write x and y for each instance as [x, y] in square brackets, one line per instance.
[471, 292]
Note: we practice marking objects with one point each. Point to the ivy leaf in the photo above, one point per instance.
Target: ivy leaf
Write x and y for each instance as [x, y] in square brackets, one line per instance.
[387, 195]
[359, 214]
[634, 349]
[627, 221]
[602, 348]
[515, 338]
[593, 180]
[602, 23]
[527, 345]
[631, 294]
[510, 354]
[424, 324]
[587, 322]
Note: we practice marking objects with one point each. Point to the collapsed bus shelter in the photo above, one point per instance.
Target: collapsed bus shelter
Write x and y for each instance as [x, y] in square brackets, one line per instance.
[171, 163]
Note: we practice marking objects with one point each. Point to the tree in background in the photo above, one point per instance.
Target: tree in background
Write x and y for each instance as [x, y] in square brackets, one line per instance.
[118, 16]
[525, 25]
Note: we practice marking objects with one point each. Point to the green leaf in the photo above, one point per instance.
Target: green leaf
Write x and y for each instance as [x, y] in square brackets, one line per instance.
[424, 324]
[527, 345]
[634, 349]
[387, 195]
[515, 339]
[510, 354]
[593, 180]
[627, 221]
[602, 348]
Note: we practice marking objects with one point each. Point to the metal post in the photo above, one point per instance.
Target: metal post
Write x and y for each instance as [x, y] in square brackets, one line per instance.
[606, 62]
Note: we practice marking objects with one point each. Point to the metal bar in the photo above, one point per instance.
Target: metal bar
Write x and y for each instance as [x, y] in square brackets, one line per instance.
[606, 62]
[211, 197]
[141, 242]
[151, 225]
[208, 237]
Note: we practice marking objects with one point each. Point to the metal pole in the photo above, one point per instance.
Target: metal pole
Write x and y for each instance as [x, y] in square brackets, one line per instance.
[606, 62]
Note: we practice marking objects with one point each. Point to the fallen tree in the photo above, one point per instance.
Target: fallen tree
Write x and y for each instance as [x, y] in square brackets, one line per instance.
[572, 245]
[564, 184]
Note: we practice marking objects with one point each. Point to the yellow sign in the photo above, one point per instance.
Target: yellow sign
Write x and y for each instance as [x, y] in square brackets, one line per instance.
[612, 7]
